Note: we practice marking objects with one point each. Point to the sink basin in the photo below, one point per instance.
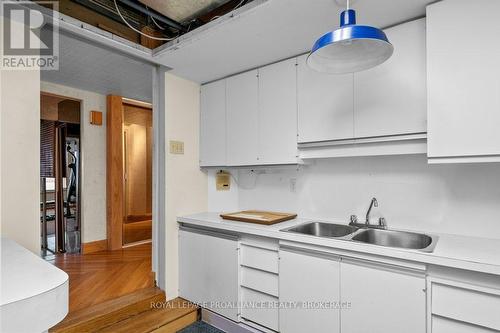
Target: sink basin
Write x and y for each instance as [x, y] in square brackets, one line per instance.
[321, 229]
[401, 239]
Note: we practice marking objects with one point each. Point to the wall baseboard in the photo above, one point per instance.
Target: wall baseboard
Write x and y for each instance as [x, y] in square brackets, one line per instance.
[96, 246]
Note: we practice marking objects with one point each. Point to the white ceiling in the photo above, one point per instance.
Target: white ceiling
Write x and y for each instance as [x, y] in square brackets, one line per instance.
[88, 66]
[271, 31]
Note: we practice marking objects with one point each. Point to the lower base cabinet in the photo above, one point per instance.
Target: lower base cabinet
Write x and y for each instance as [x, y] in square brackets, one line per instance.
[288, 287]
[464, 306]
[208, 271]
[337, 294]
[382, 298]
[309, 284]
[446, 325]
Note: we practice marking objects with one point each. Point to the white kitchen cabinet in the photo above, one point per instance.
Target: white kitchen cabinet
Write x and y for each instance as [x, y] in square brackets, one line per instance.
[381, 298]
[391, 99]
[242, 105]
[306, 277]
[445, 325]
[466, 306]
[325, 105]
[278, 113]
[259, 282]
[463, 82]
[208, 270]
[213, 124]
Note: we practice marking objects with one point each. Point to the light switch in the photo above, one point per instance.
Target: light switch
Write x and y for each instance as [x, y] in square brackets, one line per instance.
[176, 147]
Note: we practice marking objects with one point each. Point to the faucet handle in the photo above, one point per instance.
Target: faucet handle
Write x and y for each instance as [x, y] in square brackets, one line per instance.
[353, 219]
[382, 222]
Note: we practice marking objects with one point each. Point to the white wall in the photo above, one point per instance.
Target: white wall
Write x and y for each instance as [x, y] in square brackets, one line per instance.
[186, 184]
[93, 152]
[457, 199]
[20, 157]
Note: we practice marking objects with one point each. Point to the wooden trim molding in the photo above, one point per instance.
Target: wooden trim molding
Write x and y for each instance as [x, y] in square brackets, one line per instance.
[96, 246]
[114, 171]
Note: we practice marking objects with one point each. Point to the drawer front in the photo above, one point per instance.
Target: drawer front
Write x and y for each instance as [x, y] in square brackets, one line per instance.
[466, 305]
[260, 308]
[259, 258]
[259, 280]
[445, 325]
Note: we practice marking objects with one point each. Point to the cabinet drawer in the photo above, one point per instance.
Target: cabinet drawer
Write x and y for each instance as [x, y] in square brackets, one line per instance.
[259, 308]
[445, 325]
[259, 258]
[259, 280]
[466, 305]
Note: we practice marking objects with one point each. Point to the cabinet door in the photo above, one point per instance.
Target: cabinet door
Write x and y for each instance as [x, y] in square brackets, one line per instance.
[325, 105]
[208, 271]
[213, 124]
[307, 278]
[391, 98]
[464, 80]
[278, 113]
[242, 118]
[381, 299]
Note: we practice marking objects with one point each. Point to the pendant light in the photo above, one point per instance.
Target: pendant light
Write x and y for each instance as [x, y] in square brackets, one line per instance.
[350, 48]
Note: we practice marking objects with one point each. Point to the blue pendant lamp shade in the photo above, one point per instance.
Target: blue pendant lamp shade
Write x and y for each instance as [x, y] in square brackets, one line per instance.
[351, 48]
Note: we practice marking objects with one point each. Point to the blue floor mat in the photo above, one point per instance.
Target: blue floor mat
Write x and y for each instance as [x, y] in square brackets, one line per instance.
[200, 327]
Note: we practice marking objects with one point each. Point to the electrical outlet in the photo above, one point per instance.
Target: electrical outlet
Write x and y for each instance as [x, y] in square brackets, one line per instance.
[176, 147]
[223, 181]
[293, 185]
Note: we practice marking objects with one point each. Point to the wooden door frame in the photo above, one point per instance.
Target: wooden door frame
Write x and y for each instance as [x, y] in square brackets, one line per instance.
[114, 172]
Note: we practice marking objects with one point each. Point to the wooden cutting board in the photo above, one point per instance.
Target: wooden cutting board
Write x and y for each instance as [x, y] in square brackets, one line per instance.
[259, 217]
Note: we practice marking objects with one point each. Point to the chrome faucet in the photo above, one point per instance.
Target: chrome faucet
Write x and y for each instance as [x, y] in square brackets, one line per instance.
[374, 202]
[382, 224]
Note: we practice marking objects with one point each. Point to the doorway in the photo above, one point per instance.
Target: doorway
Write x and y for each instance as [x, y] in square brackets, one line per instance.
[59, 174]
[137, 169]
[129, 172]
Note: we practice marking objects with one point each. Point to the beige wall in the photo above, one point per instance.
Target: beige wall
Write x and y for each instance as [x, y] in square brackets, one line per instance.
[20, 157]
[186, 184]
[93, 152]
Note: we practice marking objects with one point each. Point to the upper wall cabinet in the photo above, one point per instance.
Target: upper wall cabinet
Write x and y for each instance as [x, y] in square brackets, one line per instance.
[213, 124]
[463, 82]
[391, 99]
[325, 105]
[242, 98]
[250, 118]
[278, 113]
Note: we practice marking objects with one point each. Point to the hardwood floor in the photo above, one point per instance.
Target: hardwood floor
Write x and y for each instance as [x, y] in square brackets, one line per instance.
[131, 313]
[101, 276]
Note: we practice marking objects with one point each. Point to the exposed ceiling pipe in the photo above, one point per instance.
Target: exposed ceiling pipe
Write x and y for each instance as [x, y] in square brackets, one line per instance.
[156, 16]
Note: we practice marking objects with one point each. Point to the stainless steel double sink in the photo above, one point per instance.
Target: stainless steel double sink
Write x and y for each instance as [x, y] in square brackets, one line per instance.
[388, 238]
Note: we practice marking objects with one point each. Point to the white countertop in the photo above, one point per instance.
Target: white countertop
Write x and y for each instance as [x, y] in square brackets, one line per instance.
[462, 252]
[24, 274]
[33, 293]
